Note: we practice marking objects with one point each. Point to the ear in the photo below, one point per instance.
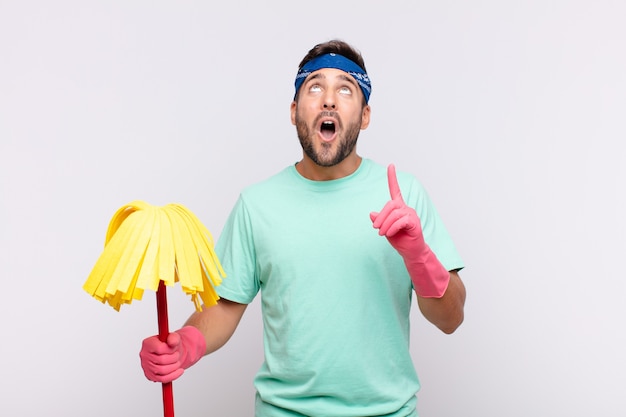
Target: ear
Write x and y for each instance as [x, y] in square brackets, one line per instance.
[293, 108]
[365, 117]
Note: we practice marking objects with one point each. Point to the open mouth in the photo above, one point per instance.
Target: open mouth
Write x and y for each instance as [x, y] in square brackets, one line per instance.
[327, 129]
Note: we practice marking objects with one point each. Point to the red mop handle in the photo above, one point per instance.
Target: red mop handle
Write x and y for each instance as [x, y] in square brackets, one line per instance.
[168, 395]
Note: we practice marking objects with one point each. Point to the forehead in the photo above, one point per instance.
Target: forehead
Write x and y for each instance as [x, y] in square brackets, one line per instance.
[331, 74]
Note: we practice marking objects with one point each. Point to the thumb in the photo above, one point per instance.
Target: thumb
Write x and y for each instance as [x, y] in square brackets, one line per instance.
[173, 340]
[373, 216]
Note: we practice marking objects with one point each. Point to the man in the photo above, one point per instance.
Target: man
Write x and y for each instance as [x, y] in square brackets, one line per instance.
[336, 278]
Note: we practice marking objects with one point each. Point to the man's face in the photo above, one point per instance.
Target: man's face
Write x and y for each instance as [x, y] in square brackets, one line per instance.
[329, 115]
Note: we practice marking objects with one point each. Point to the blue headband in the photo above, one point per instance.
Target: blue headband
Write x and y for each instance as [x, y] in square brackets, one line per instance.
[339, 62]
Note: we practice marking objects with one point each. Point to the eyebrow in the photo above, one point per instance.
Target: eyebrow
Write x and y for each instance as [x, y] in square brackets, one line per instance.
[343, 77]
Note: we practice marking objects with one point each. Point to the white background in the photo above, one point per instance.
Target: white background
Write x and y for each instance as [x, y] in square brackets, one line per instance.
[511, 113]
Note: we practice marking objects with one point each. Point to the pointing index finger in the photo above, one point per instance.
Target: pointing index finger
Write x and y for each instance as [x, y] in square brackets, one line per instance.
[394, 188]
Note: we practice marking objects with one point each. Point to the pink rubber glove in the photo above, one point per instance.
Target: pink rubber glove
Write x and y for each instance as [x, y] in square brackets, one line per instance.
[402, 228]
[166, 361]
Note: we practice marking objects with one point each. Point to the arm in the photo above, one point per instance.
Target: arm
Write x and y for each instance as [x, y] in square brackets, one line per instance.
[217, 323]
[446, 312]
[441, 294]
[204, 332]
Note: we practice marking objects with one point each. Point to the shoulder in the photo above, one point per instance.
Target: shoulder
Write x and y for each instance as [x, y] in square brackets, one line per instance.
[269, 185]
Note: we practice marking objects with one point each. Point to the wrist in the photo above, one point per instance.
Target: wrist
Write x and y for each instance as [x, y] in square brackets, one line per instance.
[193, 346]
[429, 277]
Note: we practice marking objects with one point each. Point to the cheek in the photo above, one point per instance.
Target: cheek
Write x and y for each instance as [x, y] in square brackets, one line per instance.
[305, 112]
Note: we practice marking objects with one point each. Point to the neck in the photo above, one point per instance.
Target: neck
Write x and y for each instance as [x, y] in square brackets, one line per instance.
[310, 170]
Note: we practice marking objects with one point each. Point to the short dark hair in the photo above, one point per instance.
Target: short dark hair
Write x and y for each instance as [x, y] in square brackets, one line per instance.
[338, 47]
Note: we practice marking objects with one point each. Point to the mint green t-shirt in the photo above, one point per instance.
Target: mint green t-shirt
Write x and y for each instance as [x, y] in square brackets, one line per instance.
[335, 295]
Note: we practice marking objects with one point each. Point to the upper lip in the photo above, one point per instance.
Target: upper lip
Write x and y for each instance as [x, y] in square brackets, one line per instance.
[328, 119]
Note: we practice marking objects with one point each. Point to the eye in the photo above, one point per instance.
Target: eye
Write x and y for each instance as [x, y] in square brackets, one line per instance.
[315, 88]
[345, 91]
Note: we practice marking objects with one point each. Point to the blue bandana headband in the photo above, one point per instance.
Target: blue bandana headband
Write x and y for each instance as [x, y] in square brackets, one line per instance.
[339, 62]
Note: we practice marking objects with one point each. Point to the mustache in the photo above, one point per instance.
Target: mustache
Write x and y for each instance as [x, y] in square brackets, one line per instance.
[332, 114]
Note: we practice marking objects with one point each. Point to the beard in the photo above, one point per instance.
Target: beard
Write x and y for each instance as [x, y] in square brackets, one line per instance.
[328, 154]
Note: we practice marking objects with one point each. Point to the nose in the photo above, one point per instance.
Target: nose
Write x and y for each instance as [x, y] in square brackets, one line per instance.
[329, 102]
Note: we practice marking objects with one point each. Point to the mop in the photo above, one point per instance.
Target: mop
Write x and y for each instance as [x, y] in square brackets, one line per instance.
[150, 247]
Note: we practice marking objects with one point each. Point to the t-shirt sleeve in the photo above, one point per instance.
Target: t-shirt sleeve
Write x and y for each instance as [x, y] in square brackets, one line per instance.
[235, 250]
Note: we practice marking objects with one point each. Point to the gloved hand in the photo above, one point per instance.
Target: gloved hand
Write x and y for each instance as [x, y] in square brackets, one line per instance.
[166, 361]
[402, 228]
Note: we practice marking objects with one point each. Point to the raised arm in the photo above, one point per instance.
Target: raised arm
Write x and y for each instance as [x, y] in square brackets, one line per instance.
[447, 312]
[441, 294]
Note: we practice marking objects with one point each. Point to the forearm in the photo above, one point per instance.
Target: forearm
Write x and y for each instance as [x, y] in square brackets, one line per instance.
[217, 323]
[446, 312]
